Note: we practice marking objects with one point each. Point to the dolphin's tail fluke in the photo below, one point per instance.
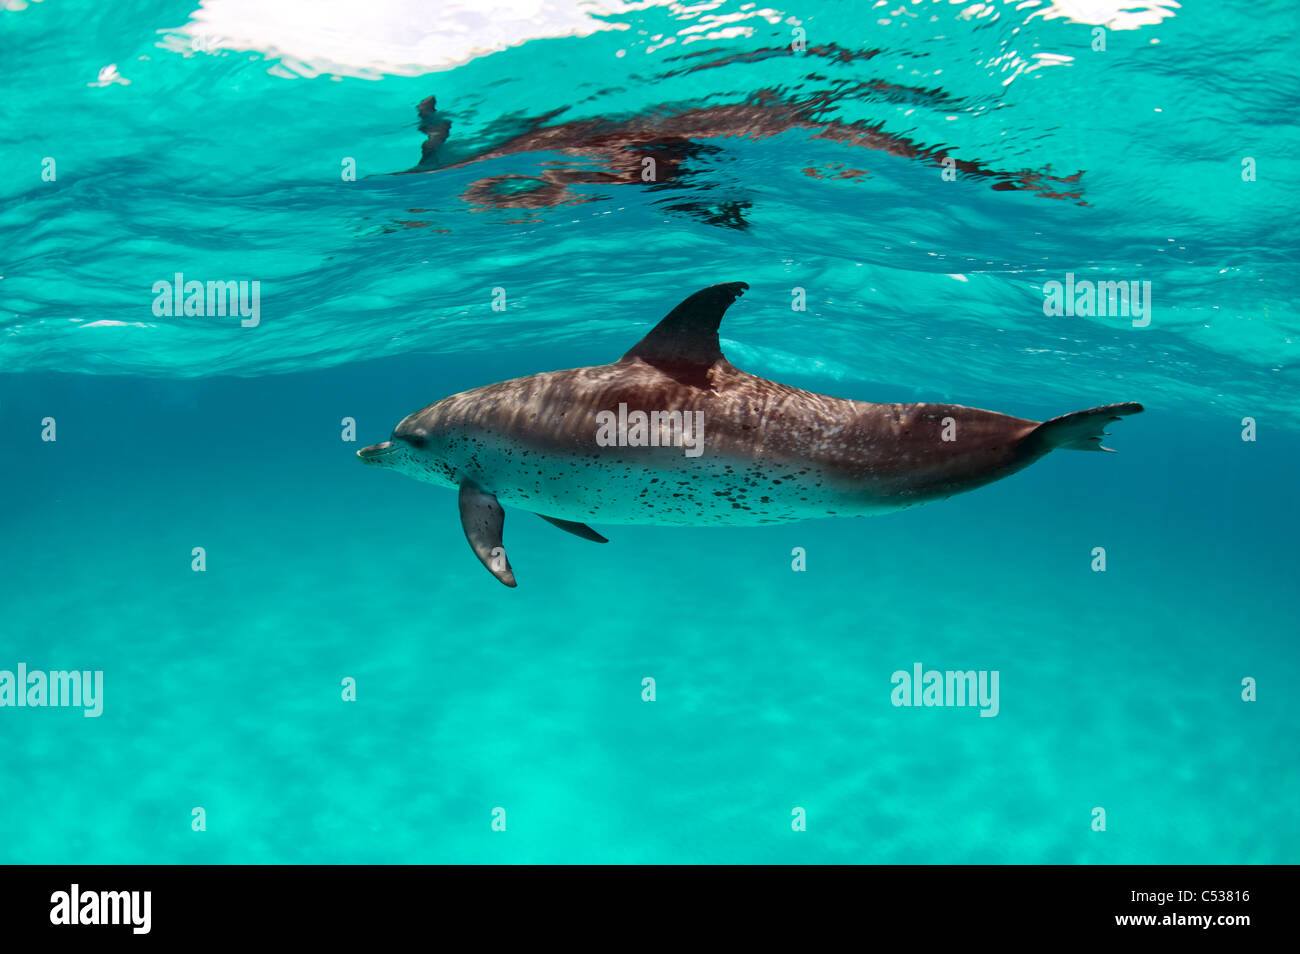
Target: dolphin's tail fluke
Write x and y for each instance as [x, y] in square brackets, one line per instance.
[1081, 430]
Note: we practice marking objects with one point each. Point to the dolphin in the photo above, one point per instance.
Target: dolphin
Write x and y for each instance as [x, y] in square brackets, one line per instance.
[614, 151]
[673, 434]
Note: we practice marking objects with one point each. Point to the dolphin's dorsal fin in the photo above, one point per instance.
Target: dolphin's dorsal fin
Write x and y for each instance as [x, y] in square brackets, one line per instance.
[685, 342]
[435, 129]
[482, 518]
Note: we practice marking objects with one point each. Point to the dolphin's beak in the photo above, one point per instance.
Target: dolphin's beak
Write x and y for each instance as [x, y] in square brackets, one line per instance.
[375, 453]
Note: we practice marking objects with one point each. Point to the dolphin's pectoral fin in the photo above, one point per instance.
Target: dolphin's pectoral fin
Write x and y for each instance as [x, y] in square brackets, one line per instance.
[575, 528]
[685, 343]
[482, 519]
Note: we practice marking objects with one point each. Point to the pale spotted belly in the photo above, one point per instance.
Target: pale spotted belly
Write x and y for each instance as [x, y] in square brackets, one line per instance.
[661, 486]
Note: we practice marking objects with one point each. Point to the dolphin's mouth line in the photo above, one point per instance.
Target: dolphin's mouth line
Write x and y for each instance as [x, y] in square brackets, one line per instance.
[375, 451]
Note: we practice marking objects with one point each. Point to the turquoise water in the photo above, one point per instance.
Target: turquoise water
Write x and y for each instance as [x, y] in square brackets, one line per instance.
[215, 147]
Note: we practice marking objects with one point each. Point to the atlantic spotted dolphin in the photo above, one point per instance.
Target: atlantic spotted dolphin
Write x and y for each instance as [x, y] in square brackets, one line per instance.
[615, 151]
[673, 434]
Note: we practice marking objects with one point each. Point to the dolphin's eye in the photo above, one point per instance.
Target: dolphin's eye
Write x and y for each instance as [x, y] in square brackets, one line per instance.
[415, 440]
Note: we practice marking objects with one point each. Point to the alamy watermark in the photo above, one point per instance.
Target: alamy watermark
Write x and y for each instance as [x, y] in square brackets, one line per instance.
[75, 906]
[1086, 299]
[931, 687]
[684, 429]
[58, 688]
[195, 299]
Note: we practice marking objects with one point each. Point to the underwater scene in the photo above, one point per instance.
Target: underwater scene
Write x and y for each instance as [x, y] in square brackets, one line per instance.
[805, 329]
